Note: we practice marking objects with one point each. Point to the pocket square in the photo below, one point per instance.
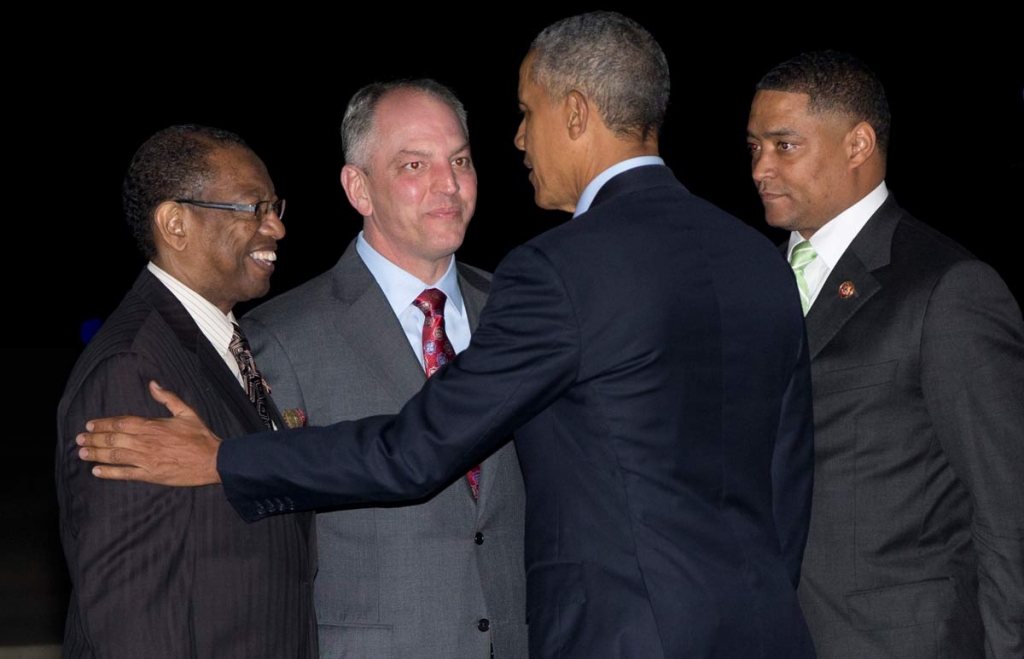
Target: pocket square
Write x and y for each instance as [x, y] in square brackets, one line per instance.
[294, 418]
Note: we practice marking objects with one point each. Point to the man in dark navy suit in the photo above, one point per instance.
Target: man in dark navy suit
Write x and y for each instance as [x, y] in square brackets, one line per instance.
[660, 399]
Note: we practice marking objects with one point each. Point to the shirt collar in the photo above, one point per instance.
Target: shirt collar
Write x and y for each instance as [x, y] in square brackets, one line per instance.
[832, 239]
[589, 192]
[401, 288]
[215, 325]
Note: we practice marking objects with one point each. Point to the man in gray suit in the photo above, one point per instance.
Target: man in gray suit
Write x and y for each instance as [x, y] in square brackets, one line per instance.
[916, 545]
[443, 577]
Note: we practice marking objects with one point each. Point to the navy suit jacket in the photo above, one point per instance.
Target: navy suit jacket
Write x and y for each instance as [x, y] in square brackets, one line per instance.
[650, 357]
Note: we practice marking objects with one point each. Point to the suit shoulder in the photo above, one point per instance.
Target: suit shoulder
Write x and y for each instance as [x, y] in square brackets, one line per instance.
[130, 329]
[293, 306]
[915, 242]
[474, 277]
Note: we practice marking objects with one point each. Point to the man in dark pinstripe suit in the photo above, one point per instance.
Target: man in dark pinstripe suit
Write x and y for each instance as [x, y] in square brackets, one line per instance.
[164, 572]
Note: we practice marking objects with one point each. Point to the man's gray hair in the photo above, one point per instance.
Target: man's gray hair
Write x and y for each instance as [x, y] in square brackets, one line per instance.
[613, 61]
[358, 125]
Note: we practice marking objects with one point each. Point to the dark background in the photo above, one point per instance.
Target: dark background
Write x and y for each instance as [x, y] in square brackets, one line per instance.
[88, 94]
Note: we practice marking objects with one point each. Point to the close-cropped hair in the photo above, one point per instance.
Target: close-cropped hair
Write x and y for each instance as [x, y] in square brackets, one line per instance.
[613, 61]
[835, 82]
[172, 164]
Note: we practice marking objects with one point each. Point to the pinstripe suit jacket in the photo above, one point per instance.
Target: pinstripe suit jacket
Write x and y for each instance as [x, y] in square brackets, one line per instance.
[395, 581]
[169, 572]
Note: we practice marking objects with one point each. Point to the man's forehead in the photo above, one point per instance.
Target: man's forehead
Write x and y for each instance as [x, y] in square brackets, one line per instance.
[237, 166]
[412, 122]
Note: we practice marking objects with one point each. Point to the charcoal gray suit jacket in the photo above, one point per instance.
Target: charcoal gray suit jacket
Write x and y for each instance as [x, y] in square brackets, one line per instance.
[172, 572]
[916, 546]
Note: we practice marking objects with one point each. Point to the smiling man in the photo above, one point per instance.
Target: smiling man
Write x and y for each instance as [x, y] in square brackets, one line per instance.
[160, 572]
[660, 402]
[441, 577]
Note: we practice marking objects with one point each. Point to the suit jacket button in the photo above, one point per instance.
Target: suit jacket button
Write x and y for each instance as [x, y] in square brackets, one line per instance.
[259, 508]
[478, 538]
[484, 624]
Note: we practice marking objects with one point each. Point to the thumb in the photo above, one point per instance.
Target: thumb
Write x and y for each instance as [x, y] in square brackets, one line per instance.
[168, 399]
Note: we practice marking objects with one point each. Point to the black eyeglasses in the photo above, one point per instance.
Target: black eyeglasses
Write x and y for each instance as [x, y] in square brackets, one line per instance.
[259, 209]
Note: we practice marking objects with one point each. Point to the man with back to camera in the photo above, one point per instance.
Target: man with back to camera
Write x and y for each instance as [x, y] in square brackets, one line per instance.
[165, 572]
[916, 546]
[443, 577]
[661, 403]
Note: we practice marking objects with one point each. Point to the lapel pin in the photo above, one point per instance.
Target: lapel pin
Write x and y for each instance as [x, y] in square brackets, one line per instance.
[847, 289]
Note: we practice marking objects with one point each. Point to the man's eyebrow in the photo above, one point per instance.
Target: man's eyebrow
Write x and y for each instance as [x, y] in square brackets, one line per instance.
[778, 132]
[464, 147]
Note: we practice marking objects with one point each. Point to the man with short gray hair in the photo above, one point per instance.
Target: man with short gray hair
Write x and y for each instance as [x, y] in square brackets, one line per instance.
[442, 577]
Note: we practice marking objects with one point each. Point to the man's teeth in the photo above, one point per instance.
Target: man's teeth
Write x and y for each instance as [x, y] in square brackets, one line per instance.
[264, 256]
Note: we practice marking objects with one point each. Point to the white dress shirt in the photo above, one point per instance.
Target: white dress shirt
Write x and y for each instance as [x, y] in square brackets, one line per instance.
[401, 289]
[216, 326]
[589, 192]
[831, 240]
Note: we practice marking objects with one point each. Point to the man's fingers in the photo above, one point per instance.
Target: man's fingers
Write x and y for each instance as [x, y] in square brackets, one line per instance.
[117, 424]
[111, 473]
[169, 400]
[113, 456]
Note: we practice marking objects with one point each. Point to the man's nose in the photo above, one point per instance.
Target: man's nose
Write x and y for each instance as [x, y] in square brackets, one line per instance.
[762, 167]
[272, 225]
[520, 138]
[446, 182]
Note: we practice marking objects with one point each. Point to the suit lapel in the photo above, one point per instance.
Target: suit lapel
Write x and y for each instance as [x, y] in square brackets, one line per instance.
[210, 362]
[369, 325]
[869, 251]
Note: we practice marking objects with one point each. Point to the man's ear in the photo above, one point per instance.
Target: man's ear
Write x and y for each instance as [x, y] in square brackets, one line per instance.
[171, 227]
[353, 179]
[577, 111]
[861, 143]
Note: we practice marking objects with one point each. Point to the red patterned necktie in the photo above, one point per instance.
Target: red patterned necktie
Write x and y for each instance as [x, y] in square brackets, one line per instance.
[255, 386]
[438, 350]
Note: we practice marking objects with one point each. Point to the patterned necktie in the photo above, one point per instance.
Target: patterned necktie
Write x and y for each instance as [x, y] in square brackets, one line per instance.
[799, 259]
[255, 386]
[438, 350]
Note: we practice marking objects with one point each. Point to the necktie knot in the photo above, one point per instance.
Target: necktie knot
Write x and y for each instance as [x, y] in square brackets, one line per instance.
[431, 302]
[801, 256]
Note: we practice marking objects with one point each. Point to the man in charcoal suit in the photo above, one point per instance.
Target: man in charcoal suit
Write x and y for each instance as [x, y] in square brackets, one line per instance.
[442, 577]
[156, 571]
[660, 401]
[916, 546]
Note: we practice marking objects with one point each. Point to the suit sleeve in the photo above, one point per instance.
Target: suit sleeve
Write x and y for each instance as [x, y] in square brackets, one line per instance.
[972, 357]
[793, 466]
[524, 355]
[275, 365]
[126, 544]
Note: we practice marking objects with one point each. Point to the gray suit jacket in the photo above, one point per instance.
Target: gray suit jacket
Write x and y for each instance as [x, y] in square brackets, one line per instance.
[916, 547]
[442, 578]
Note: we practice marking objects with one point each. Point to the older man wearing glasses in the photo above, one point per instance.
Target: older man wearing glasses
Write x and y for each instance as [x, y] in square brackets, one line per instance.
[163, 572]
